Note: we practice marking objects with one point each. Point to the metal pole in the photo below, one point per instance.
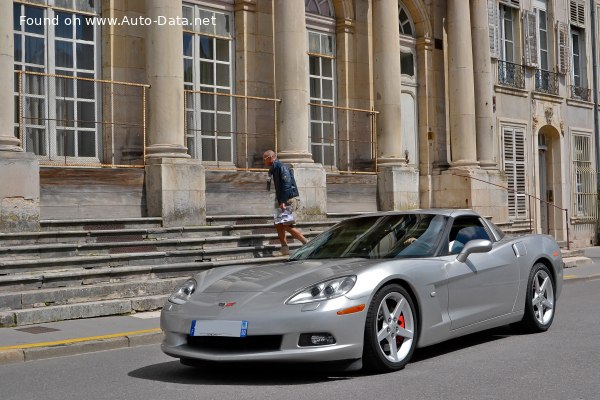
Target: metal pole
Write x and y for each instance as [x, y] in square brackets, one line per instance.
[596, 129]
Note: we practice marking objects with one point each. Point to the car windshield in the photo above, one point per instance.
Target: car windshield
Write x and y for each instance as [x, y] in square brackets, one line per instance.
[378, 236]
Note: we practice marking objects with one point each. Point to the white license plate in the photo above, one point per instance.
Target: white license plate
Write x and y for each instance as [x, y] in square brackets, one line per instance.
[219, 328]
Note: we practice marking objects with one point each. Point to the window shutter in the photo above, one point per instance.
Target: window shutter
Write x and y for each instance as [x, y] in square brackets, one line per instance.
[493, 21]
[511, 3]
[577, 12]
[562, 33]
[515, 168]
[530, 37]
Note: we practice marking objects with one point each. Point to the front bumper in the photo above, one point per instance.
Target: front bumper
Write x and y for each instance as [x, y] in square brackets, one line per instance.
[287, 321]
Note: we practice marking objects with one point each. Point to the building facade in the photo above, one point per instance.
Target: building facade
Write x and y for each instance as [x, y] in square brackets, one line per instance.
[131, 108]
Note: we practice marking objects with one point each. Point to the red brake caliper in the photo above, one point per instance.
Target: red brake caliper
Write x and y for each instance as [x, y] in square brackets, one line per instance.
[401, 322]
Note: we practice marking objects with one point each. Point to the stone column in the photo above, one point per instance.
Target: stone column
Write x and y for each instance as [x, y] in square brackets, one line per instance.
[291, 82]
[19, 171]
[461, 91]
[484, 114]
[387, 78]
[397, 184]
[175, 184]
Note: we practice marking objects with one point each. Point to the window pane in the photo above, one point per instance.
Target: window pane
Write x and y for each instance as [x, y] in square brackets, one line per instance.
[63, 86]
[407, 65]
[188, 70]
[328, 155]
[18, 48]
[36, 141]
[327, 65]
[65, 113]
[85, 56]
[187, 45]
[222, 49]
[208, 149]
[315, 132]
[207, 101]
[84, 30]
[315, 113]
[38, 15]
[224, 149]
[34, 50]
[206, 73]
[85, 89]
[17, 17]
[34, 84]
[223, 123]
[222, 74]
[314, 42]
[328, 133]
[86, 144]
[208, 124]
[327, 89]
[206, 48]
[207, 28]
[63, 53]
[223, 103]
[315, 87]
[314, 65]
[328, 114]
[35, 111]
[65, 143]
[87, 114]
[64, 29]
[222, 24]
[316, 154]
[85, 5]
[327, 45]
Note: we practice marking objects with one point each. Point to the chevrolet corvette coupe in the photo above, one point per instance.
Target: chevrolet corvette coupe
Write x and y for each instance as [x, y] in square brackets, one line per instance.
[367, 292]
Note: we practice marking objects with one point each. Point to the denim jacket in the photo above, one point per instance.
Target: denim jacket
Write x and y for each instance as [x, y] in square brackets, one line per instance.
[285, 184]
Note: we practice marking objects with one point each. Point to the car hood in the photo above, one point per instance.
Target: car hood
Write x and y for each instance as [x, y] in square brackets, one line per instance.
[285, 276]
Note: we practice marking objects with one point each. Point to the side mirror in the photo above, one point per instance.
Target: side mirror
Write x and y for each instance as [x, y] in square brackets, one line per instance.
[474, 246]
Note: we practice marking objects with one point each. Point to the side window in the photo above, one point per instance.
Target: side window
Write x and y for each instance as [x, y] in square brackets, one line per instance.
[465, 229]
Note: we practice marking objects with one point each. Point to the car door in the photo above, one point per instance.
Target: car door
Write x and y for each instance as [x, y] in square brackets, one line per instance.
[486, 284]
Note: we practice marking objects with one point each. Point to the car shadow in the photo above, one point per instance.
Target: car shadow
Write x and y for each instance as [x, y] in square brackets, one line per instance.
[463, 342]
[249, 374]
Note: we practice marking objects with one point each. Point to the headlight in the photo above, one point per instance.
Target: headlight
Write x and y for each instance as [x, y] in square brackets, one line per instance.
[324, 290]
[184, 292]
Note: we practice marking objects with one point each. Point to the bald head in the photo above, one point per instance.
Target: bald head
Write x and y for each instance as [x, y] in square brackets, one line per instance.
[269, 157]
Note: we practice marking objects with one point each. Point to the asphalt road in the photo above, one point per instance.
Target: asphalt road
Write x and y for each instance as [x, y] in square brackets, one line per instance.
[563, 363]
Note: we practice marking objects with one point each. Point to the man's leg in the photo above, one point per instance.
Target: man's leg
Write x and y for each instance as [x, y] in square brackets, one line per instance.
[296, 233]
[285, 250]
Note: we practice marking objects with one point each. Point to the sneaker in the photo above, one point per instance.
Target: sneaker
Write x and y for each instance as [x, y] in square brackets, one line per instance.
[285, 251]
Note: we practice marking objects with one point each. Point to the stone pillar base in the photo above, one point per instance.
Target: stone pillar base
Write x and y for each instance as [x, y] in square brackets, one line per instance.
[19, 192]
[312, 186]
[397, 188]
[175, 191]
[455, 188]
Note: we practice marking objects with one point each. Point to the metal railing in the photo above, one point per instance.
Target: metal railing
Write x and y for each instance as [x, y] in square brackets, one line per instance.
[546, 82]
[231, 131]
[510, 74]
[81, 122]
[580, 93]
[531, 199]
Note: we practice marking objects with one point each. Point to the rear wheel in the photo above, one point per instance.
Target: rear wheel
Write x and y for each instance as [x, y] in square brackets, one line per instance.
[390, 330]
[540, 300]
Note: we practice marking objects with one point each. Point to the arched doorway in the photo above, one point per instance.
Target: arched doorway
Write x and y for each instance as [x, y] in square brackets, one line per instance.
[549, 182]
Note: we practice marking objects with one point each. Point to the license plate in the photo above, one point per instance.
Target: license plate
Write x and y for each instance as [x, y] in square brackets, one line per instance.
[219, 328]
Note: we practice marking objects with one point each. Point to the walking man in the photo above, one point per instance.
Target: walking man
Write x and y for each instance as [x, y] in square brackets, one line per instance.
[286, 195]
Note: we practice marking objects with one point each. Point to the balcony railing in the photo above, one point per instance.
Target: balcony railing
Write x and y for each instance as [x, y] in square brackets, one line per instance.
[546, 82]
[580, 93]
[510, 74]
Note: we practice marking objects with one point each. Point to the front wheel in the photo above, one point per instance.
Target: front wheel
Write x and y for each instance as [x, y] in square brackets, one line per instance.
[390, 330]
[540, 301]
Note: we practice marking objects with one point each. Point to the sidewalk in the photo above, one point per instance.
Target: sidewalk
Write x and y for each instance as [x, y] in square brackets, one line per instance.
[56, 339]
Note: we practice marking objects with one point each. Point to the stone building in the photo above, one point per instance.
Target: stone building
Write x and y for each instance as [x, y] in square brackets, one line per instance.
[132, 108]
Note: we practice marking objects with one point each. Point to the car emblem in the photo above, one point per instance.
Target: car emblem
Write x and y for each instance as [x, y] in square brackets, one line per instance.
[229, 304]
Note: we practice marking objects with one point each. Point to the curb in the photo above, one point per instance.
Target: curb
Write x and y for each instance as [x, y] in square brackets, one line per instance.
[44, 350]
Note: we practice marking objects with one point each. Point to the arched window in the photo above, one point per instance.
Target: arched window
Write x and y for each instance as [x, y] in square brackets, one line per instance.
[322, 80]
[406, 25]
[320, 7]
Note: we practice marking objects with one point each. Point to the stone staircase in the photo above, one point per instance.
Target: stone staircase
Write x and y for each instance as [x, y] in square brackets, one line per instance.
[87, 268]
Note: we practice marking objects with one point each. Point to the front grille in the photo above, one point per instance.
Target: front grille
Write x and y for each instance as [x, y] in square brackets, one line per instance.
[248, 344]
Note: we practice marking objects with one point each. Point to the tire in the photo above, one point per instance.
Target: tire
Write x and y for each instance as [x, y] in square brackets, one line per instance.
[396, 331]
[540, 301]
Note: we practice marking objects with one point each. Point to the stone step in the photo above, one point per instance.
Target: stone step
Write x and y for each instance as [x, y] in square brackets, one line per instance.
[19, 283]
[61, 250]
[137, 258]
[100, 224]
[9, 240]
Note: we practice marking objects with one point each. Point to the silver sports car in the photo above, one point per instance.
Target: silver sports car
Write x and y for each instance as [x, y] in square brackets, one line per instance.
[367, 292]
